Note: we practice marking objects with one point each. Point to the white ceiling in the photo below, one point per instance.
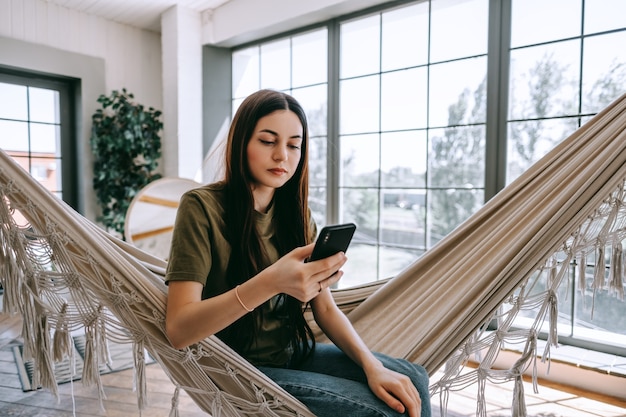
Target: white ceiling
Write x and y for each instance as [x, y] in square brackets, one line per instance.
[144, 14]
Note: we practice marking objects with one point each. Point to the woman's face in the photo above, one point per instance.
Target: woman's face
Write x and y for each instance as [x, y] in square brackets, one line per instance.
[275, 149]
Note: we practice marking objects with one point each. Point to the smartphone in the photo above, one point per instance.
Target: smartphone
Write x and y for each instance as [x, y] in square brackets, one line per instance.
[333, 239]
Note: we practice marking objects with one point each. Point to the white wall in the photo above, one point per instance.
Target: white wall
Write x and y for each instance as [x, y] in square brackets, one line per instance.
[36, 35]
[132, 56]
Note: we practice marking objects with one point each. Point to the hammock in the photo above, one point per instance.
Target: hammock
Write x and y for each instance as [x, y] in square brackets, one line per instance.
[62, 273]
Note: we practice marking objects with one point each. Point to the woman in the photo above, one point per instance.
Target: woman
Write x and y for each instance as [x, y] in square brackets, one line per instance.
[237, 269]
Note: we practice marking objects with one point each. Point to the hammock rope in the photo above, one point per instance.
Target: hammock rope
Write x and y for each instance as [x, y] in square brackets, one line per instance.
[511, 259]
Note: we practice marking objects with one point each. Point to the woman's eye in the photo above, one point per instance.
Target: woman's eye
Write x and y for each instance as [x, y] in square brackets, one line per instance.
[296, 147]
[266, 142]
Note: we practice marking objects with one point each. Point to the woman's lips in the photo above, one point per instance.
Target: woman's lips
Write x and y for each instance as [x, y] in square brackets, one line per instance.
[278, 171]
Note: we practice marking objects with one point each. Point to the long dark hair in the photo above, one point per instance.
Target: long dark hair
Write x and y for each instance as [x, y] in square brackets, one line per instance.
[290, 206]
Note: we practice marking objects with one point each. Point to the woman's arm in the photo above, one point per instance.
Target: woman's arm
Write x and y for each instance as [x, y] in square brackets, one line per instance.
[395, 389]
[189, 319]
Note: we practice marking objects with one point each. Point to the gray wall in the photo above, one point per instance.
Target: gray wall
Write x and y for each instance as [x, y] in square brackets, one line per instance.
[90, 73]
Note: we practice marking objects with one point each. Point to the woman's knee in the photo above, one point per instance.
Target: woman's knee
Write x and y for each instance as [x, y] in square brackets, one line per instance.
[413, 370]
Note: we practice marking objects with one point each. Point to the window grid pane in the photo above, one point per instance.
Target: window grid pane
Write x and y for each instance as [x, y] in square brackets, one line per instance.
[30, 131]
[395, 104]
[572, 74]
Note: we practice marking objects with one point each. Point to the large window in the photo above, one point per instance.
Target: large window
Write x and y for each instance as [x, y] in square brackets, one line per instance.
[406, 148]
[36, 129]
[402, 155]
[560, 76]
[411, 131]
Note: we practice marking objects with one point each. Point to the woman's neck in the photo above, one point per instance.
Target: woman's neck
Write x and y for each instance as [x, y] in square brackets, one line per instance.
[262, 198]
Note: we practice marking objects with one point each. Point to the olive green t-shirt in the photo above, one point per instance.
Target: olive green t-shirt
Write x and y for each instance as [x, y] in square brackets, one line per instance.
[200, 252]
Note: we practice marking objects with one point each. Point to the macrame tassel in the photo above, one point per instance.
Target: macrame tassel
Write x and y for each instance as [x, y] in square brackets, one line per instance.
[552, 272]
[175, 399]
[599, 272]
[36, 336]
[582, 275]
[43, 358]
[530, 354]
[481, 403]
[91, 371]
[30, 329]
[90, 366]
[598, 276]
[616, 276]
[96, 353]
[553, 315]
[518, 407]
[10, 277]
[139, 356]
[444, 399]
[62, 341]
[104, 355]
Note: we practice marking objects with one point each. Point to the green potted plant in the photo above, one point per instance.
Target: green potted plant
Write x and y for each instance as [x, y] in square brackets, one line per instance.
[126, 145]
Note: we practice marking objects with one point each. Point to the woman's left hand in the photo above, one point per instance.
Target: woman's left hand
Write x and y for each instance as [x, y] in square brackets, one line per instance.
[396, 390]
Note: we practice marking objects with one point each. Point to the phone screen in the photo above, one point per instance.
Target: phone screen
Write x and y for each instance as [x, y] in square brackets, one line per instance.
[333, 239]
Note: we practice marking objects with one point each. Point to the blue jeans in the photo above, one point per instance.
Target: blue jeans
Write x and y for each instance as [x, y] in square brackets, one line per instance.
[331, 384]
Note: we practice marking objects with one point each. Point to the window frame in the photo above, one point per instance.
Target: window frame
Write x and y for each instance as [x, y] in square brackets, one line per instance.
[66, 87]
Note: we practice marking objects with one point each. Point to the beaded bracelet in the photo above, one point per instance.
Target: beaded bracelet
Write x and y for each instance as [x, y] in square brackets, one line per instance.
[241, 302]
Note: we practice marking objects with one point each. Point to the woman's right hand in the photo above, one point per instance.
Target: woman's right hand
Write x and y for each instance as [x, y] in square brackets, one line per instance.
[305, 280]
[290, 275]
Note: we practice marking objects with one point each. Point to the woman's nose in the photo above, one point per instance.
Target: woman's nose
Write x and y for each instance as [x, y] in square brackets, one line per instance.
[280, 153]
